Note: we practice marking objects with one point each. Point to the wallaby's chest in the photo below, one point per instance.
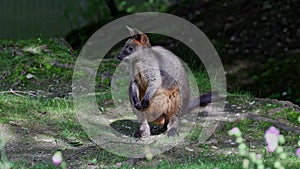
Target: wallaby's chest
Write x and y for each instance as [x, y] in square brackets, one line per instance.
[142, 83]
[166, 101]
[167, 82]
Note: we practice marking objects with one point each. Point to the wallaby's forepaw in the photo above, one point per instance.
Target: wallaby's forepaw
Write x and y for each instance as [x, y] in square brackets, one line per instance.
[138, 106]
[145, 103]
[172, 132]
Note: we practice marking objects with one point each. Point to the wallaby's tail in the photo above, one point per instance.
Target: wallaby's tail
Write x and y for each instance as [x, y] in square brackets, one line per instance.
[202, 100]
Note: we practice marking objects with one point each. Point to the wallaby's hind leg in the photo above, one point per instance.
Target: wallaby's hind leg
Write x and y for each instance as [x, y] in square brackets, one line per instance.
[144, 128]
[174, 108]
[172, 128]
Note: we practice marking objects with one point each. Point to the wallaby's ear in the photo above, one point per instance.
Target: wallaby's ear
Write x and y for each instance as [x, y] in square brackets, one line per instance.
[139, 36]
[142, 39]
[133, 31]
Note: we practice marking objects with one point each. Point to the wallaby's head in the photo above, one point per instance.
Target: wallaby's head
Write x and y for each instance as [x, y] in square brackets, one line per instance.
[137, 41]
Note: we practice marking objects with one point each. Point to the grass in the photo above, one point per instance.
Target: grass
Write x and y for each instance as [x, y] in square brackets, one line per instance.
[200, 161]
[39, 114]
[288, 115]
[38, 166]
[202, 80]
[33, 58]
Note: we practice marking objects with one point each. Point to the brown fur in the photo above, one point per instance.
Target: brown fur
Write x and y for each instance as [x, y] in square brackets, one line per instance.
[163, 105]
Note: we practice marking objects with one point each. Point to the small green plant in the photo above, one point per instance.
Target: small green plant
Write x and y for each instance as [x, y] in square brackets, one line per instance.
[274, 142]
[253, 159]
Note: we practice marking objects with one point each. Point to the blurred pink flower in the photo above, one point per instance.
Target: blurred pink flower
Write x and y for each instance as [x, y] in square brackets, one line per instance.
[258, 156]
[235, 131]
[271, 136]
[57, 158]
[298, 152]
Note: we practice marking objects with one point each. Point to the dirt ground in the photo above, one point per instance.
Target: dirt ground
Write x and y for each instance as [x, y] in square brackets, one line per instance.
[34, 147]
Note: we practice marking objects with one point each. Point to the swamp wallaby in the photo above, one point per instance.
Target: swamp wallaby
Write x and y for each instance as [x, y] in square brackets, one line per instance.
[159, 88]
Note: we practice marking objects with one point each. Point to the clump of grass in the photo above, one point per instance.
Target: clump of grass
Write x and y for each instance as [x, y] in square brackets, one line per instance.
[274, 142]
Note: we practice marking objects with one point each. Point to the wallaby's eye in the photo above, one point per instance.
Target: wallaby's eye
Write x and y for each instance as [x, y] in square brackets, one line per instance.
[130, 48]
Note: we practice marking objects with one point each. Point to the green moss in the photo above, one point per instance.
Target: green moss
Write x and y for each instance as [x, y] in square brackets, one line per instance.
[289, 115]
[34, 57]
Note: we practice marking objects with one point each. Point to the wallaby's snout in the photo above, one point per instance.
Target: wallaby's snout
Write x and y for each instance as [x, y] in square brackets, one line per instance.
[119, 57]
[128, 49]
[122, 54]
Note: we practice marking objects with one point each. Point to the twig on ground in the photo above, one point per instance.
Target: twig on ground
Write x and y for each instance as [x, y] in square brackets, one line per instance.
[18, 93]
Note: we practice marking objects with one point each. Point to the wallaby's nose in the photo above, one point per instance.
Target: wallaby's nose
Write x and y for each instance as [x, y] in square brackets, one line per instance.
[119, 56]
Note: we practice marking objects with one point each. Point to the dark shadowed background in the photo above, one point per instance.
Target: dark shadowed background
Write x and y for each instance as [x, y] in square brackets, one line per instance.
[258, 41]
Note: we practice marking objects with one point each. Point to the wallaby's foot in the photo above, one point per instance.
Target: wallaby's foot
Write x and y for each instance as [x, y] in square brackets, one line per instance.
[144, 130]
[140, 134]
[173, 126]
[155, 130]
[137, 134]
[172, 132]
